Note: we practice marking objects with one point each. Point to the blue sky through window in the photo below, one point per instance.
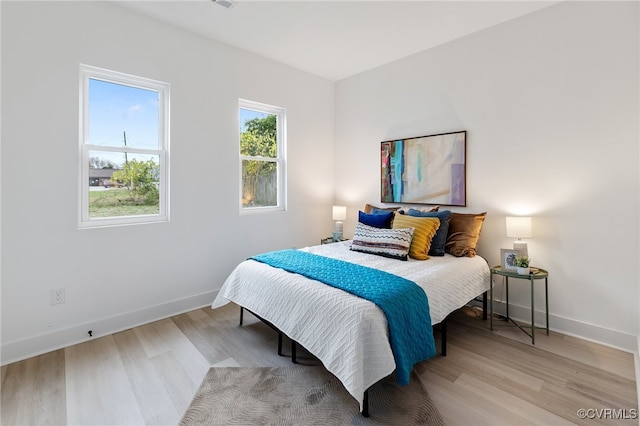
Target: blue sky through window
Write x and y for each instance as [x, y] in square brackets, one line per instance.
[248, 114]
[118, 109]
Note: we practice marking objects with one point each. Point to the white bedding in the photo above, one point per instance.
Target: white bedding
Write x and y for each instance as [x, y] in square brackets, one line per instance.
[347, 333]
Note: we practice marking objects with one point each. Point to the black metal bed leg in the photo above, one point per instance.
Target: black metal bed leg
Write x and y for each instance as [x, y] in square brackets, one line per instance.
[241, 315]
[294, 357]
[484, 306]
[443, 337]
[365, 404]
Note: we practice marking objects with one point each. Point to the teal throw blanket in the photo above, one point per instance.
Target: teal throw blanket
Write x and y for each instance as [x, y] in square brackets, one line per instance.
[404, 303]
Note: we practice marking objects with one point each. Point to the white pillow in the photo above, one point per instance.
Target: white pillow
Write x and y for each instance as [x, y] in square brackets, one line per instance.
[393, 243]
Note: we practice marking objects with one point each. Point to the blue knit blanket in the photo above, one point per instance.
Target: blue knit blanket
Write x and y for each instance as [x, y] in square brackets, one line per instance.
[403, 302]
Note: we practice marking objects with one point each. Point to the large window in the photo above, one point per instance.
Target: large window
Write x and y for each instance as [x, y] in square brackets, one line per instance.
[124, 149]
[262, 157]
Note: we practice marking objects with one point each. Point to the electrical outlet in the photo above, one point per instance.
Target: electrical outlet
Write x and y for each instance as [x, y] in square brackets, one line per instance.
[57, 296]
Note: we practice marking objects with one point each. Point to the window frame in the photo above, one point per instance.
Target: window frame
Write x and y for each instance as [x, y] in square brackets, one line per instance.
[88, 72]
[280, 159]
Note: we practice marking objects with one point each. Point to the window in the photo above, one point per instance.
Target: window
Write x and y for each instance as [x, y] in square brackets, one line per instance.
[262, 157]
[124, 149]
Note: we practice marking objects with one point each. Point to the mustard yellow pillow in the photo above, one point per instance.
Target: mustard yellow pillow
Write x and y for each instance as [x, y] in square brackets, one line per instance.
[424, 230]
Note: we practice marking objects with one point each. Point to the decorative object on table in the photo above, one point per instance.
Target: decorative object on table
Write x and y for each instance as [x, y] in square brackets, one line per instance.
[339, 214]
[522, 264]
[427, 169]
[519, 227]
[508, 259]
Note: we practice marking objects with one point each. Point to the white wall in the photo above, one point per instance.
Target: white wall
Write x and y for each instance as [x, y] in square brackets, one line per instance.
[121, 276]
[550, 104]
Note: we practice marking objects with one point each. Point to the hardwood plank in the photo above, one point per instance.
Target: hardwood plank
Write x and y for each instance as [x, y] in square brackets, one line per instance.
[164, 337]
[151, 395]
[98, 387]
[33, 391]
[508, 404]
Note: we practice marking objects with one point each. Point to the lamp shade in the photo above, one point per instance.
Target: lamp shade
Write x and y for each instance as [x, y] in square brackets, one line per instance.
[339, 212]
[519, 227]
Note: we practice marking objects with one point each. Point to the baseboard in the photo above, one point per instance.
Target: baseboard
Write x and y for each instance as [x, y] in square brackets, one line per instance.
[613, 338]
[58, 339]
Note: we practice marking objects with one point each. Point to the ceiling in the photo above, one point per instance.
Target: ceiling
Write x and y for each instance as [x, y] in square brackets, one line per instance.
[335, 39]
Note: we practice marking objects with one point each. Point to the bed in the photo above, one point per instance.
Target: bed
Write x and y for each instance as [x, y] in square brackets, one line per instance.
[346, 333]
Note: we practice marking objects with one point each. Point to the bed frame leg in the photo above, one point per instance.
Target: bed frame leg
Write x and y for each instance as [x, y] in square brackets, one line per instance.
[484, 306]
[241, 315]
[365, 404]
[294, 357]
[443, 337]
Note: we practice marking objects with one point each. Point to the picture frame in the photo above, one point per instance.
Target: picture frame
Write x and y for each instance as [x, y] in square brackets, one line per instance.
[424, 170]
[508, 259]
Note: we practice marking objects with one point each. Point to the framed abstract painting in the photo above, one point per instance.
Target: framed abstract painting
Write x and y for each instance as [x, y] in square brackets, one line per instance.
[425, 170]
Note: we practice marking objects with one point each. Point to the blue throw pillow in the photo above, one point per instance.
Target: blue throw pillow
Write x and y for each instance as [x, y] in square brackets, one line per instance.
[440, 239]
[377, 220]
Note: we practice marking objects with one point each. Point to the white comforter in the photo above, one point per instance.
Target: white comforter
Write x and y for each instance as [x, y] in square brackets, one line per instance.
[347, 333]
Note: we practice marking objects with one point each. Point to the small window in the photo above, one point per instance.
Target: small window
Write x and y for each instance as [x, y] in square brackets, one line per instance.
[262, 157]
[124, 149]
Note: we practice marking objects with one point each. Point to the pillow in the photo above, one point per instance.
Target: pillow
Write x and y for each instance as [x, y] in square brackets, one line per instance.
[464, 232]
[440, 239]
[368, 208]
[405, 209]
[377, 220]
[375, 210]
[393, 243]
[425, 229]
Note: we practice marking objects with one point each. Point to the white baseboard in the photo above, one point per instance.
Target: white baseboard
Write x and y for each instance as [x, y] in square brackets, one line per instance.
[613, 338]
[36, 345]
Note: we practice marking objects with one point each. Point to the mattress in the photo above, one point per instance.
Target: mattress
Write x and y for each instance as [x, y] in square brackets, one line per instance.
[346, 333]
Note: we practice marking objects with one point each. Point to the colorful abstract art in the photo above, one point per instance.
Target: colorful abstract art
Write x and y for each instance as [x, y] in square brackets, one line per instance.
[424, 170]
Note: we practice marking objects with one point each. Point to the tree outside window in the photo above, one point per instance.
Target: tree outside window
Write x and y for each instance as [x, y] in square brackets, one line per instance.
[262, 157]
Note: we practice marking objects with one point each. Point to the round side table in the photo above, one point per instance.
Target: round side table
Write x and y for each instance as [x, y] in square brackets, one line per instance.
[532, 277]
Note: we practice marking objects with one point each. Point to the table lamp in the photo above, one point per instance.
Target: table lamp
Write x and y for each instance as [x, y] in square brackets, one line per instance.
[519, 227]
[339, 214]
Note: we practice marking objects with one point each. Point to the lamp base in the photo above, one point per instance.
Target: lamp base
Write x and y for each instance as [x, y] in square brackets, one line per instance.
[337, 231]
[521, 246]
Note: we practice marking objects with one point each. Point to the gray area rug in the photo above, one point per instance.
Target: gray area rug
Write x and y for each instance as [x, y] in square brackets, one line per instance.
[302, 395]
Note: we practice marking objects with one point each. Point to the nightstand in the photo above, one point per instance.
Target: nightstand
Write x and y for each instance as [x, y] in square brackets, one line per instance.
[532, 277]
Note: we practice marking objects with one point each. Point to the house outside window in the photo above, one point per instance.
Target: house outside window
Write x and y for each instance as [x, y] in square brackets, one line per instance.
[124, 149]
[262, 157]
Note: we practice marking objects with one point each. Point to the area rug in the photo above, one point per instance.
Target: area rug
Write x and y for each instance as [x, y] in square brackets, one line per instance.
[303, 395]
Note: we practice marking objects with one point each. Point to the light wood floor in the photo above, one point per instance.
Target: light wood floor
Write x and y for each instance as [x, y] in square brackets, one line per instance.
[149, 374]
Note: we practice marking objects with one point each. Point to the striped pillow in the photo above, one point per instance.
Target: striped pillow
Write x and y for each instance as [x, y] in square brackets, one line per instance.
[393, 243]
[425, 229]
